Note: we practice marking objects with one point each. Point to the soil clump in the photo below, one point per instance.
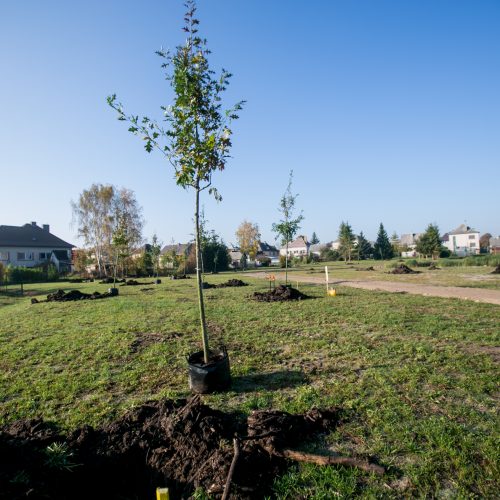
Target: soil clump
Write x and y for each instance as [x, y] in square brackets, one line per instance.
[110, 281]
[496, 270]
[370, 268]
[280, 294]
[183, 445]
[403, 269]
[72, 295]
[229, 283]
[135, 283]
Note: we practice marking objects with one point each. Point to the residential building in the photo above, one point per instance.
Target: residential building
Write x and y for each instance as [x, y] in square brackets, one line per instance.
[408, 244]
[297, 248]
[31, 245]
[266, 250]
[177, 249]
[462, 241]
[495, 245]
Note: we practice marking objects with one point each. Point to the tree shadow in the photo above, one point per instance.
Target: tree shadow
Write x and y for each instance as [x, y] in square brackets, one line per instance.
[269, 381]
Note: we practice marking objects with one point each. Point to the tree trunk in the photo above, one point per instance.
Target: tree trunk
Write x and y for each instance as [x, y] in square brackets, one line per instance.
[286, 264]
[203, 324]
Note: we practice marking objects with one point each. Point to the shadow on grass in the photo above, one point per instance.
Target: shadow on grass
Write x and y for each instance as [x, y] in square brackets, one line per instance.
[268, 381]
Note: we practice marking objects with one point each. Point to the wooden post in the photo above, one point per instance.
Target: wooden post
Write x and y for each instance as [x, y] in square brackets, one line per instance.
[326, 278]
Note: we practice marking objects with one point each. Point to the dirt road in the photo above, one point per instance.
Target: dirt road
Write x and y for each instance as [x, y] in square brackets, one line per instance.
[456, 292]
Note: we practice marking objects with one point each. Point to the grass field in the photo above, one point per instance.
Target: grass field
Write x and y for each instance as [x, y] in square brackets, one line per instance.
[417, 378]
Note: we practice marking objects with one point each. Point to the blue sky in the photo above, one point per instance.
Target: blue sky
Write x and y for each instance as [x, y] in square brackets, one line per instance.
[385, 110]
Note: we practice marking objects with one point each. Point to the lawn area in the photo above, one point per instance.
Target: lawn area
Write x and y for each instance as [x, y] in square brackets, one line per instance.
[463, 276]
[416, 377]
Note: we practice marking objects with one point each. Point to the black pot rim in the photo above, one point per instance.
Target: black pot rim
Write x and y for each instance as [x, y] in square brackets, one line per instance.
[222, 350]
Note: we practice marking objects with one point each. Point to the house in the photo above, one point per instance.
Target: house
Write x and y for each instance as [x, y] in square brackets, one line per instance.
[177, 249]
[235, 258]
[462, 241]
[266, 250]
[495, 245]
[408, 244]
[297, 248]
[31, 245]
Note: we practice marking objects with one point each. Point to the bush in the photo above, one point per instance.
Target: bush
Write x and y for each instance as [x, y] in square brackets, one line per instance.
[52, 273]
[2, 272]
[412, 262]
[264, 261]
[283, 261]
[25, 274]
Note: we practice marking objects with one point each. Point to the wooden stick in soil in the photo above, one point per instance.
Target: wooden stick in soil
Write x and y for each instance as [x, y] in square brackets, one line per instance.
[229, 479]
[299, 456]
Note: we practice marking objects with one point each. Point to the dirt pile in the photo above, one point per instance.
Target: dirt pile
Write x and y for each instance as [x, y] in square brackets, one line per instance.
[180, 277]
[183, 445]
[496, 270]
[279, 294]
[135, 283]
[110, 281]
[62, 296]
[403, 269]
[370, 268]
[229, 283]
[433, 267]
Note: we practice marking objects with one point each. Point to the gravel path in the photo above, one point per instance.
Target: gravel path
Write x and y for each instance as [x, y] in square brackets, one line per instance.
[456, 292]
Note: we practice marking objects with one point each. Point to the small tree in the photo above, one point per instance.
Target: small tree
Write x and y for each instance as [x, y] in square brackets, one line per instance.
[364, 248]
[197, 137]
[382, 248]
[248, 236]
[429, 243]
[346, 241]
[396, 244]
[119, 244]
[155, 253]
[288, 226]
[314, 239]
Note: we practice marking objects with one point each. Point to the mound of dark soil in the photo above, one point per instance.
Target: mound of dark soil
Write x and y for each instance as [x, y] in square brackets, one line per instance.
[229, 283]
[179, 444]
[433, 267]
[110, 281]
[496, 270]
[370, 268]
[135, 283]
[280, 293]
[62, 296]
[403, 269]
[180, 277]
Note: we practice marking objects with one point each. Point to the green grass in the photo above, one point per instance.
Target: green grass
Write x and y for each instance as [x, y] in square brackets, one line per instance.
[416, 377]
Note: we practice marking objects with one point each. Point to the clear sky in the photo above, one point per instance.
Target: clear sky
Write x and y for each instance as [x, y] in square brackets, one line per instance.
[386, 110]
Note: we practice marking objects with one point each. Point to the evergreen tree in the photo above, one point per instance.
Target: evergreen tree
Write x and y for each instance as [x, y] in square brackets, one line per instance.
[314, 239]
[346, 240]
[382, 248]
[429, 244]
[364, 248]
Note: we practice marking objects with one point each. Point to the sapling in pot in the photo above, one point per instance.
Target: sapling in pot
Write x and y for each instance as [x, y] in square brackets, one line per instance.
[195, 137]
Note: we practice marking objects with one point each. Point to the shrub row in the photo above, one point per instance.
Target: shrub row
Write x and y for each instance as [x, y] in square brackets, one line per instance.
[18, 274]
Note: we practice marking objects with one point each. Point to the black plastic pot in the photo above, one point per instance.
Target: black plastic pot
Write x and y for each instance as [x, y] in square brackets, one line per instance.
[157, 281]
[213, 377]
[113, 291]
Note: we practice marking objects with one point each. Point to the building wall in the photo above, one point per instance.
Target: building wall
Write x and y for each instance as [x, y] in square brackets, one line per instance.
[34, 256]
[463, 244]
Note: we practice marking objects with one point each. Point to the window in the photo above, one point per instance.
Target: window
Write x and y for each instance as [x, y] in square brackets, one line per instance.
[43, 255]
[4, 255]
[472, 236]
[24, 256]
[472, 244]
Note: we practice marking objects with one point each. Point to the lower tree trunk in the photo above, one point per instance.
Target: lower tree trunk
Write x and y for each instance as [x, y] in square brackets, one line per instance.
[199, 283]
[286, 264]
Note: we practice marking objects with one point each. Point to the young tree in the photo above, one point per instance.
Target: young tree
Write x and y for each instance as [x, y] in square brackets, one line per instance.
[288, 226]
[364, 248]
[248, 236]
[314, 239]
[197, 137]
[81, 260]
[382, 248]
[429, 243]
[155, 253]
[395, 243]
[119, 244]
[346, 241]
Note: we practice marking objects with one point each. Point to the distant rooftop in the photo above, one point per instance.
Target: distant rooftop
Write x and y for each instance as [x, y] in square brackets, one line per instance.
[463, 229]
[30, 235]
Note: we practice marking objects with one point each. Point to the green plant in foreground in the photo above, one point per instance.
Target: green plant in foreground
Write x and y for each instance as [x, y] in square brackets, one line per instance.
[58, 456]
[197, 139]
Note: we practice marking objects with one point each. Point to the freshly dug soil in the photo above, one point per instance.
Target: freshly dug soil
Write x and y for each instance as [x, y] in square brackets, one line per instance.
[179, 444]
[433, 267]
[229, 283]
[135, 283]
[279, 294]
[110, 281]
[403, 269]
[496, 270]
[62, 296]
[371, 268]
[180, 277]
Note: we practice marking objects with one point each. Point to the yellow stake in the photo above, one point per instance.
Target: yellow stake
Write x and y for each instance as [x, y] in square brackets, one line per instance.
[162, 494]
